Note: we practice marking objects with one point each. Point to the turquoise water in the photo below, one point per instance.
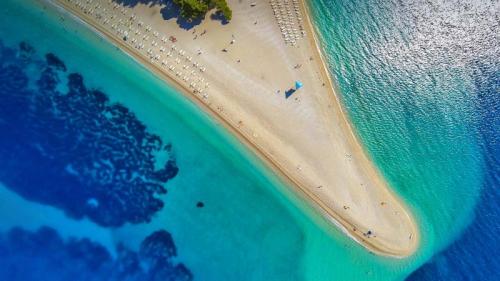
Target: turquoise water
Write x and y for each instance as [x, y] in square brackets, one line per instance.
[415, 113]
[420, 82]
[409, 113]
[243, 232]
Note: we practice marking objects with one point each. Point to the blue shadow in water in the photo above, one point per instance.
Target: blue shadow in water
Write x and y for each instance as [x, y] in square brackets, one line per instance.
[475, 255]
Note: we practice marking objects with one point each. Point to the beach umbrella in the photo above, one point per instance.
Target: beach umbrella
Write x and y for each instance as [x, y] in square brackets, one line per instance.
[298, 85]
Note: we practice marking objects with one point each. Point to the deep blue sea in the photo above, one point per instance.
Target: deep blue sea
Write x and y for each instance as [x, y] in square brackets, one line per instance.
[108, 173]
[474, 254]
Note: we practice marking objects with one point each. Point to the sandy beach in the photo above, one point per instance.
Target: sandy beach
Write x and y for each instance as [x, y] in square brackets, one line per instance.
[239, 73]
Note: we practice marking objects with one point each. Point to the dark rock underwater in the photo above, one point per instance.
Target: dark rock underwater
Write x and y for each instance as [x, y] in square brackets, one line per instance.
[65, 145]
[43, 255]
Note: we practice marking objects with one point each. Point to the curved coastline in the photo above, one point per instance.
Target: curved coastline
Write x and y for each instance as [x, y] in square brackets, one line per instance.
[355, 142]
[360, 154]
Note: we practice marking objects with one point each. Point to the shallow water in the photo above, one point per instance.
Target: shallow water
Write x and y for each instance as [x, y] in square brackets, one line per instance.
[115, 171]
[421, 83]
[116, 162]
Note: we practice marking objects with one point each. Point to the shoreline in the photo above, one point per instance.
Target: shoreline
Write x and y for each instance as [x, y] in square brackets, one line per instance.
[260, 151]
[355, 139]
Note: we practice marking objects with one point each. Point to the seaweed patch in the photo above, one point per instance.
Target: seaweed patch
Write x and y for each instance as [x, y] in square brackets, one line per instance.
[44, 255]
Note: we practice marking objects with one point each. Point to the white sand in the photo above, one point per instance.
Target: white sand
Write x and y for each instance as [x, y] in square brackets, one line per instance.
[306, 139]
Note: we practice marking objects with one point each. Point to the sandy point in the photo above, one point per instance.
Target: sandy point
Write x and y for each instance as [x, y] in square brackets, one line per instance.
[245, 74]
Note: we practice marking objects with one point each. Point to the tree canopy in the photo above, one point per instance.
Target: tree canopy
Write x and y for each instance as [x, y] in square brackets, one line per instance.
[193, 9]
[223, 8]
